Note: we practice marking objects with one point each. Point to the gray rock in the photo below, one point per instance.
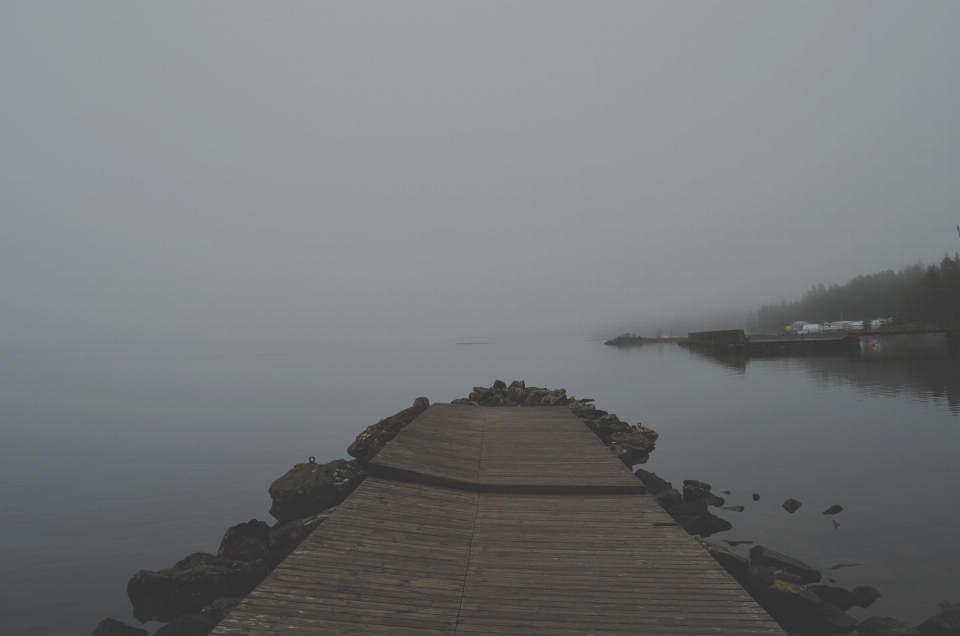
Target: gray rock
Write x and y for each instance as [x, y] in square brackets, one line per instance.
[191, 584]
[799, 609]
[865, 595]
[606, 425]
[652, 482]
[832, 510]
[481, 393]
[756, 497]
[465, 401]
[687, 508]
[669, 498]
[246, 541]
[219, 608]
[736, 565]
[736, 543]
[885, 626]
[498, 399]
[633, 437]
[630, 455]
[113, 627]
[285, 537]
[585, 410]
[376, 436]
[791, 505]
[734, 508]
[310, 488]
[497, 384]
[697, 484]
[771, 558]
[187, 626]
[862, 596]
[946, 622]
[783, 575]
[706, 523]
[696, 493]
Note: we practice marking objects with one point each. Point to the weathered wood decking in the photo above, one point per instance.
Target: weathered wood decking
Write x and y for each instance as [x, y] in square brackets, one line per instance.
[498, 521]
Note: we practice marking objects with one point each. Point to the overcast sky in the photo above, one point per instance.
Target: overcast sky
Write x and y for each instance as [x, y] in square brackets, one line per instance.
[194, 171]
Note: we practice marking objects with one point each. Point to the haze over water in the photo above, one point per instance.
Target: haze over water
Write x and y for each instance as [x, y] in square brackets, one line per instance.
[234, 234]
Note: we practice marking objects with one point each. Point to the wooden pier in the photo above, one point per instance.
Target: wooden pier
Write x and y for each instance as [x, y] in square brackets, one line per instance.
[498, 520]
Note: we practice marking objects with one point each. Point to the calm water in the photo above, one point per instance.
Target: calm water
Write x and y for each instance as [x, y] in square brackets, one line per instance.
[115, 461]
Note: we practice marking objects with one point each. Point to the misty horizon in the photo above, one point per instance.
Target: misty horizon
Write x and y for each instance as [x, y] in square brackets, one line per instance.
[179, 173]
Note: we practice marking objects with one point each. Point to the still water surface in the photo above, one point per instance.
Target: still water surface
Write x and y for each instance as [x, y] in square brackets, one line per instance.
[113, 461]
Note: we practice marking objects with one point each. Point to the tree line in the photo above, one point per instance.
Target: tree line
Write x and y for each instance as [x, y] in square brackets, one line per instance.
[913, 294]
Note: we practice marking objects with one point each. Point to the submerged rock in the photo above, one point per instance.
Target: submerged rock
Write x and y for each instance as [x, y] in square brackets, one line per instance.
[862, 596]
[946, 622]
[191, 584]
[113, 627]
[189, 625]
[736, 543]
[771, 558]
[885, 626]
[756, 497]
[310, 488]
[832, 510]
[791, 505]
[734, 508]
[376, 436]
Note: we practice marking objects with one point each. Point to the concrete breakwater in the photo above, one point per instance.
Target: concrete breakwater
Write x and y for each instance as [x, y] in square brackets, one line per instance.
[194, 594]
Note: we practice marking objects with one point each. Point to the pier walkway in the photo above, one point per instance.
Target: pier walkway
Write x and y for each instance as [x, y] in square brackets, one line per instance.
[498, 520]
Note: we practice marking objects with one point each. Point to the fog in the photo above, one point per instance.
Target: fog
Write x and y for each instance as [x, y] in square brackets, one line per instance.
[186, 172]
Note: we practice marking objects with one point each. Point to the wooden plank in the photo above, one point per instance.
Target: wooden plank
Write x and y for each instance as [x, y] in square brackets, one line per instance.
[498, 520]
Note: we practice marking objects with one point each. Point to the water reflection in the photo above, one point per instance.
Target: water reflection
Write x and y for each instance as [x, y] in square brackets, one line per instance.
[921, 367]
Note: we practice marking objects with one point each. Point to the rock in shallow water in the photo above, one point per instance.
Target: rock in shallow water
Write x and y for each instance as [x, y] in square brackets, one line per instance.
[736, 565]
[113, 627]
[833, 510]
[310, 488]
[756, 497]
[696, 493]
[791, 505]
[191, 584]
[652, 482]
[773, 559]
[187, 626]
[862, 596]
[885, 626]
[946, 622]
[799, 609]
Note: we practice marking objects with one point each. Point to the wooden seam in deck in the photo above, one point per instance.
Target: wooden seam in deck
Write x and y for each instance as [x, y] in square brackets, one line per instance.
[417, 556]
